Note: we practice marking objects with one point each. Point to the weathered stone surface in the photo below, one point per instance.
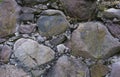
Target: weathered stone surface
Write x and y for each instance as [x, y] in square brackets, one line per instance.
[30, 2]
[26, 28]
[115, 70]
[19, 2]
[80, 9]
[114, 29]
[69, 67]
[92, 40]
[8, 17]
[61, 48]
[52, 22]
[31, 53]
[33, 2]
[28, 10]
[58, 40]
[26, 17]
[5, 53]
[112, 13]
[12, 71]
[37, 73]
[99, 70]
[118, 6]
[2, 40]
[41, 7]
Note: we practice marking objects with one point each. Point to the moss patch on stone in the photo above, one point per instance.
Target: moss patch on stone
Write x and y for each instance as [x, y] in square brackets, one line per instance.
[1, 1]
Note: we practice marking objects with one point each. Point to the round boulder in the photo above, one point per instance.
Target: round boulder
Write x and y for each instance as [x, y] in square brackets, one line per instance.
[52, 22]
[31, 53]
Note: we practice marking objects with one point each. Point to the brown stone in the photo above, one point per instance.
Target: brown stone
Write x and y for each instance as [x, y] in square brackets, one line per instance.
[8, 17]
[99, 70]
[5, 53]
[80, 9]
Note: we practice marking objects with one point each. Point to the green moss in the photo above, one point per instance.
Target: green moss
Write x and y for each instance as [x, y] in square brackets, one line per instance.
[1, 1]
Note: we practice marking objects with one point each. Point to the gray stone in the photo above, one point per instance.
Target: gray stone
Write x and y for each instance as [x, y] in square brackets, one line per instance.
[58, 40]
[12, 71]
[41, 7]
[37, 73]
[26, 28]
[114, 29]
[40, 39]
[93, 40]
[80, 9]
[31, 2]
[2, 40]
[69, 67]
[52, 22]
[28, 10]
[31, 53]
[115, 70]
[8, 17]
[112, 13]
[118, 6]
[26, 17]
[61, 48]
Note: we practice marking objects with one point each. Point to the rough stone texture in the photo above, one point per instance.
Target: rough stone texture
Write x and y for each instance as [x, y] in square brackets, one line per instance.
[115, 70]
[80, 9]
[52, 22]
[8, 16]
[99, 70]
[26, 17]
[26, 28]
[112, 13]
[69, 67]
[37, 73]
[5, 53]
[27, 10]
[33, 2]
[61, 48]
[114, 29]
[92, 40]
[31, 53]
[2, 40]
[58, 40]
[12, 71]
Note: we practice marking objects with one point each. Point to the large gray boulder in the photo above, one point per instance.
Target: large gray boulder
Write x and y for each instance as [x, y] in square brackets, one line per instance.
[69, 67]
[93, 40]
[52, 22]
[32, 53]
